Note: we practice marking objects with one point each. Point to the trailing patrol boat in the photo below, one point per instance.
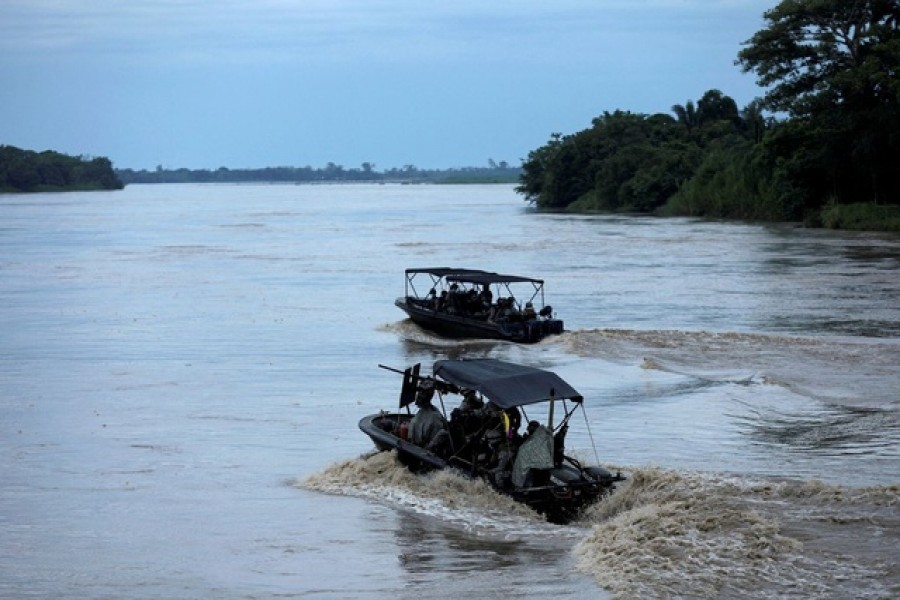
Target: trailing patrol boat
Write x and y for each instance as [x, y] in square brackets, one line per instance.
[469, 303]
[481, 437]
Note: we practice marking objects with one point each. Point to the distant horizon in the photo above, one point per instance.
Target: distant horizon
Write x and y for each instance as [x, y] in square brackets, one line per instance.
[375, 169]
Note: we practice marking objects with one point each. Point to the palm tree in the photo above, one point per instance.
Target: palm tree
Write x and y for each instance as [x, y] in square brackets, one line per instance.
[686, 114]
[754, 121]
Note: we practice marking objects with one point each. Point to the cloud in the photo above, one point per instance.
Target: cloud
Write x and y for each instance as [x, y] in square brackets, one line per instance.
[329, 31]
[194, 83]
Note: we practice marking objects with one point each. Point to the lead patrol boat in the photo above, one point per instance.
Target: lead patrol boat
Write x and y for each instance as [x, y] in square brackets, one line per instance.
[485, 443]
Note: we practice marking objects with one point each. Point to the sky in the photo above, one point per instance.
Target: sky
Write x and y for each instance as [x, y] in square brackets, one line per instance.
[434, 84]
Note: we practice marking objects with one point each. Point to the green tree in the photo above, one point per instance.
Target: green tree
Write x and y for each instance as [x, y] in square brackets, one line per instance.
[834, 67]
[715, 106]
[29, 171]
[533, 182]
[625, 161]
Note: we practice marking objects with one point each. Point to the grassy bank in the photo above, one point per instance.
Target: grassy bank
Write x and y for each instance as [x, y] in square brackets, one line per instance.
[862, 216]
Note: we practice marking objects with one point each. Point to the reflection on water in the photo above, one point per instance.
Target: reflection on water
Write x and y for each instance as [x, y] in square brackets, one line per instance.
[429, 545]
[480, 567]
[830, 431]
[876, 254]
[875, 328]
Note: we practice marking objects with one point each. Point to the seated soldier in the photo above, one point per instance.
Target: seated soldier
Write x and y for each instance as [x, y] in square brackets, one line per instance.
[535, 456]
[466, 420]
[506, 449]
[471, 403]
[529, 314]
[432, 299]
[485, 299]
[428, 428]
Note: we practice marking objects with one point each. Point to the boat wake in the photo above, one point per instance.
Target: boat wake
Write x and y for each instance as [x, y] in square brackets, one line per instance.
[846, 371]
[671, 534]
[470, 504]
[738, 377]
[666, 533]
[411, 333]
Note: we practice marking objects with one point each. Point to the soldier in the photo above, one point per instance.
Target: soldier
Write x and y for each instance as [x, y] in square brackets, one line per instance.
[428, 428]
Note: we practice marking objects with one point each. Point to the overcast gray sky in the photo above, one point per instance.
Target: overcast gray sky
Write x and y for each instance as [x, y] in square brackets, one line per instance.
[240, 83]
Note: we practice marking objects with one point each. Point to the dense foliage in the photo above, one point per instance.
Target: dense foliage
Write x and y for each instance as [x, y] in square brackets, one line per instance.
[28, 171]
[832, 71]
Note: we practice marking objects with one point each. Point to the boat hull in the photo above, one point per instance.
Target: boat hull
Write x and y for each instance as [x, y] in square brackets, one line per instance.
[381, 429]
[457, 326]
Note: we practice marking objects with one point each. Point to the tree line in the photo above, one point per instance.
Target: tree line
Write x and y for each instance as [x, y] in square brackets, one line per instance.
[821, 146]
[29, 171]
[493, 173]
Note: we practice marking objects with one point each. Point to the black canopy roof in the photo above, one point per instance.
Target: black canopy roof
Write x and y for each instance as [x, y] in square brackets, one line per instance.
[505, 384]
[473, 275]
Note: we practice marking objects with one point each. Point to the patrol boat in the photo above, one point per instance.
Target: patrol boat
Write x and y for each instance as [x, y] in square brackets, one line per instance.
[470, 303]
[482, 436]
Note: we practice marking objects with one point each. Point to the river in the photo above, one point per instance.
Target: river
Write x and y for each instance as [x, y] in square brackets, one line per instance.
[182, 369]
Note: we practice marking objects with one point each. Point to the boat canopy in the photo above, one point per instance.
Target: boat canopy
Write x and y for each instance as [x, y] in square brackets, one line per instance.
[506, 384]
[473, 276]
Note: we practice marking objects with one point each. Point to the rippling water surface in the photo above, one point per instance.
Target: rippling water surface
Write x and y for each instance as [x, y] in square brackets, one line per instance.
[182, 369]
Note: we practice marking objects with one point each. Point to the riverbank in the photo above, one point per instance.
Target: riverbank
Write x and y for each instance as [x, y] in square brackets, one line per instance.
[862, 216]
[49, 171]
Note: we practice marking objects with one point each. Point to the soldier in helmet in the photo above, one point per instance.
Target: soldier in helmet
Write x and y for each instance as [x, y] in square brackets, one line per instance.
[428, 428]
